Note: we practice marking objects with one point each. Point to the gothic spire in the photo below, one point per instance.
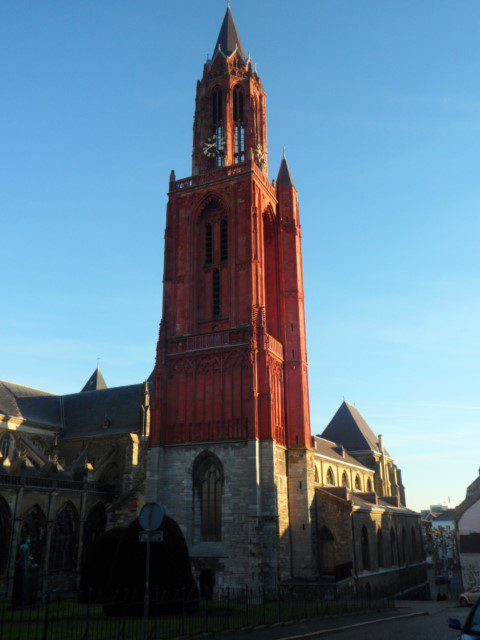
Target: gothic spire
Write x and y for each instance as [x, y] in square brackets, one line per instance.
[96, 382]
[284, 176]
[228, 38]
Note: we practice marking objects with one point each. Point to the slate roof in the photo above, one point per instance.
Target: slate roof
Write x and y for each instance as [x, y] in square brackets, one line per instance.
[106, 412]
[361, 502]
[78, 415]
[284, 178]
[33, 405]
[327, 448]
[228, 38]
[347, 427]
[96, 382]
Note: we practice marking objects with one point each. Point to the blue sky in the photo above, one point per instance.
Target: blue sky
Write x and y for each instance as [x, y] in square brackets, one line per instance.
[378, 103]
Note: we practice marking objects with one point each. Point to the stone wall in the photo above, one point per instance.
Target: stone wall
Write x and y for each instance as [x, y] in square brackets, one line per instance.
[254, 544]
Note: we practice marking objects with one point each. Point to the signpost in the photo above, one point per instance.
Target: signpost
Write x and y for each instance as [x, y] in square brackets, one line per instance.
[150, 519]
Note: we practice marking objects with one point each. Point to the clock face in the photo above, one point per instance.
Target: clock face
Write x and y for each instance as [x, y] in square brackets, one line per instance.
[213, 146]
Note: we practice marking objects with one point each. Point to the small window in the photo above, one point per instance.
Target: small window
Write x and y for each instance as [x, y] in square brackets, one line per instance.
[330, 477]
[224, 240]
[358, 486]
[216, 293]
[365, 543]
[5, 446]
[317, 478]
[237, 104]
[369, 486]
[345, 482]
[208, 244]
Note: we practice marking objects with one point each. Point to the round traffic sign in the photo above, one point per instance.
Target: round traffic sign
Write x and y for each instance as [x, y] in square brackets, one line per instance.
[151, 516]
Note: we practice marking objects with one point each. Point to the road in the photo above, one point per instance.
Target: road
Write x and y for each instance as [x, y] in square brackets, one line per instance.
[429, 627]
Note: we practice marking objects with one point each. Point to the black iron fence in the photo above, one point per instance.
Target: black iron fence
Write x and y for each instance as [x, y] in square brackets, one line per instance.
[59, 617]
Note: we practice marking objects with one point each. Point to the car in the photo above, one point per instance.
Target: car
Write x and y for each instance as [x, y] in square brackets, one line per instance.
[470, 596]
[471, 628]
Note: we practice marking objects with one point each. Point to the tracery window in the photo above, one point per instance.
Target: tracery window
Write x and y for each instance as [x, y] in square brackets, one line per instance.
[380, 553]
[5, 532]
[208, 484]
[217, 121]
[239, 125]
[33, 530]
[217, 303]
[95, 525]
[224, 240]
[5, 445]
[64, 544]
[393, 547]
[208, 244]
[358, 486]
[330, 476]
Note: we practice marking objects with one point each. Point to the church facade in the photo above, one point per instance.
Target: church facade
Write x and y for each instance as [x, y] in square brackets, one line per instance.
[220, 433]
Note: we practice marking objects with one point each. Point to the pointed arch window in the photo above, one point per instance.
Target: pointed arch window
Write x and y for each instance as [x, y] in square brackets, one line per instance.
[365, 543]
[358, 486]
[217, 121]
[317, 477]
[208, 483]
[208, 244]
[369, 486]
[224, 240]
[345, 482]
[239, 125]
[5, 532]
[64, 544]
[216, 293]
[5, 446]
[393, 547]
[330, 476]
[380, 553]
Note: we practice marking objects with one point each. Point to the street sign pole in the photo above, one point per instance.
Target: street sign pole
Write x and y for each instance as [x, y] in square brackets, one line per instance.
[146, 599]
[150, 519]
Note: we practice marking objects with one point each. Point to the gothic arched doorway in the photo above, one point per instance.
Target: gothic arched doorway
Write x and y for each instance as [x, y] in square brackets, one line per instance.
[207, 584]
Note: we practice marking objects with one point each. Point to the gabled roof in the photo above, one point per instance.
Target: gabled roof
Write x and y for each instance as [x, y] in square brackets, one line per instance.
[347, 427]
[33, 405]
[331, 450]
[107, 412]
[284, 178]
[96, 382]
[228, 38]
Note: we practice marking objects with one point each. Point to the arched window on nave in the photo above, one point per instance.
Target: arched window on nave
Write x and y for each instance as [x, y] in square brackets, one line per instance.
[64, 542]
[365, 545]
[5, 533]
[330, 477]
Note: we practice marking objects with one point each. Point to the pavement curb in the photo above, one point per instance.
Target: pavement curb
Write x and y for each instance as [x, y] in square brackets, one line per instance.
[322, 632]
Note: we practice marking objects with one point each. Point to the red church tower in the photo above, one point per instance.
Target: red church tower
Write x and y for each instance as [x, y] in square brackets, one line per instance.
[231, 367]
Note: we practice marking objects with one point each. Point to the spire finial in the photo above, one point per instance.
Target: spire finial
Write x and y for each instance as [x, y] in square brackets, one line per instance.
[98, 362]
[284, 153]
[228, 4]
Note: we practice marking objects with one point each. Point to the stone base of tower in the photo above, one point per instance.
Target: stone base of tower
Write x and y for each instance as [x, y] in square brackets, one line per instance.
[254, 545]
[301, 493]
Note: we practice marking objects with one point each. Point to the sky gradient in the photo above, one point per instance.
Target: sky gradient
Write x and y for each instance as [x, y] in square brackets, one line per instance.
[378, 103]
